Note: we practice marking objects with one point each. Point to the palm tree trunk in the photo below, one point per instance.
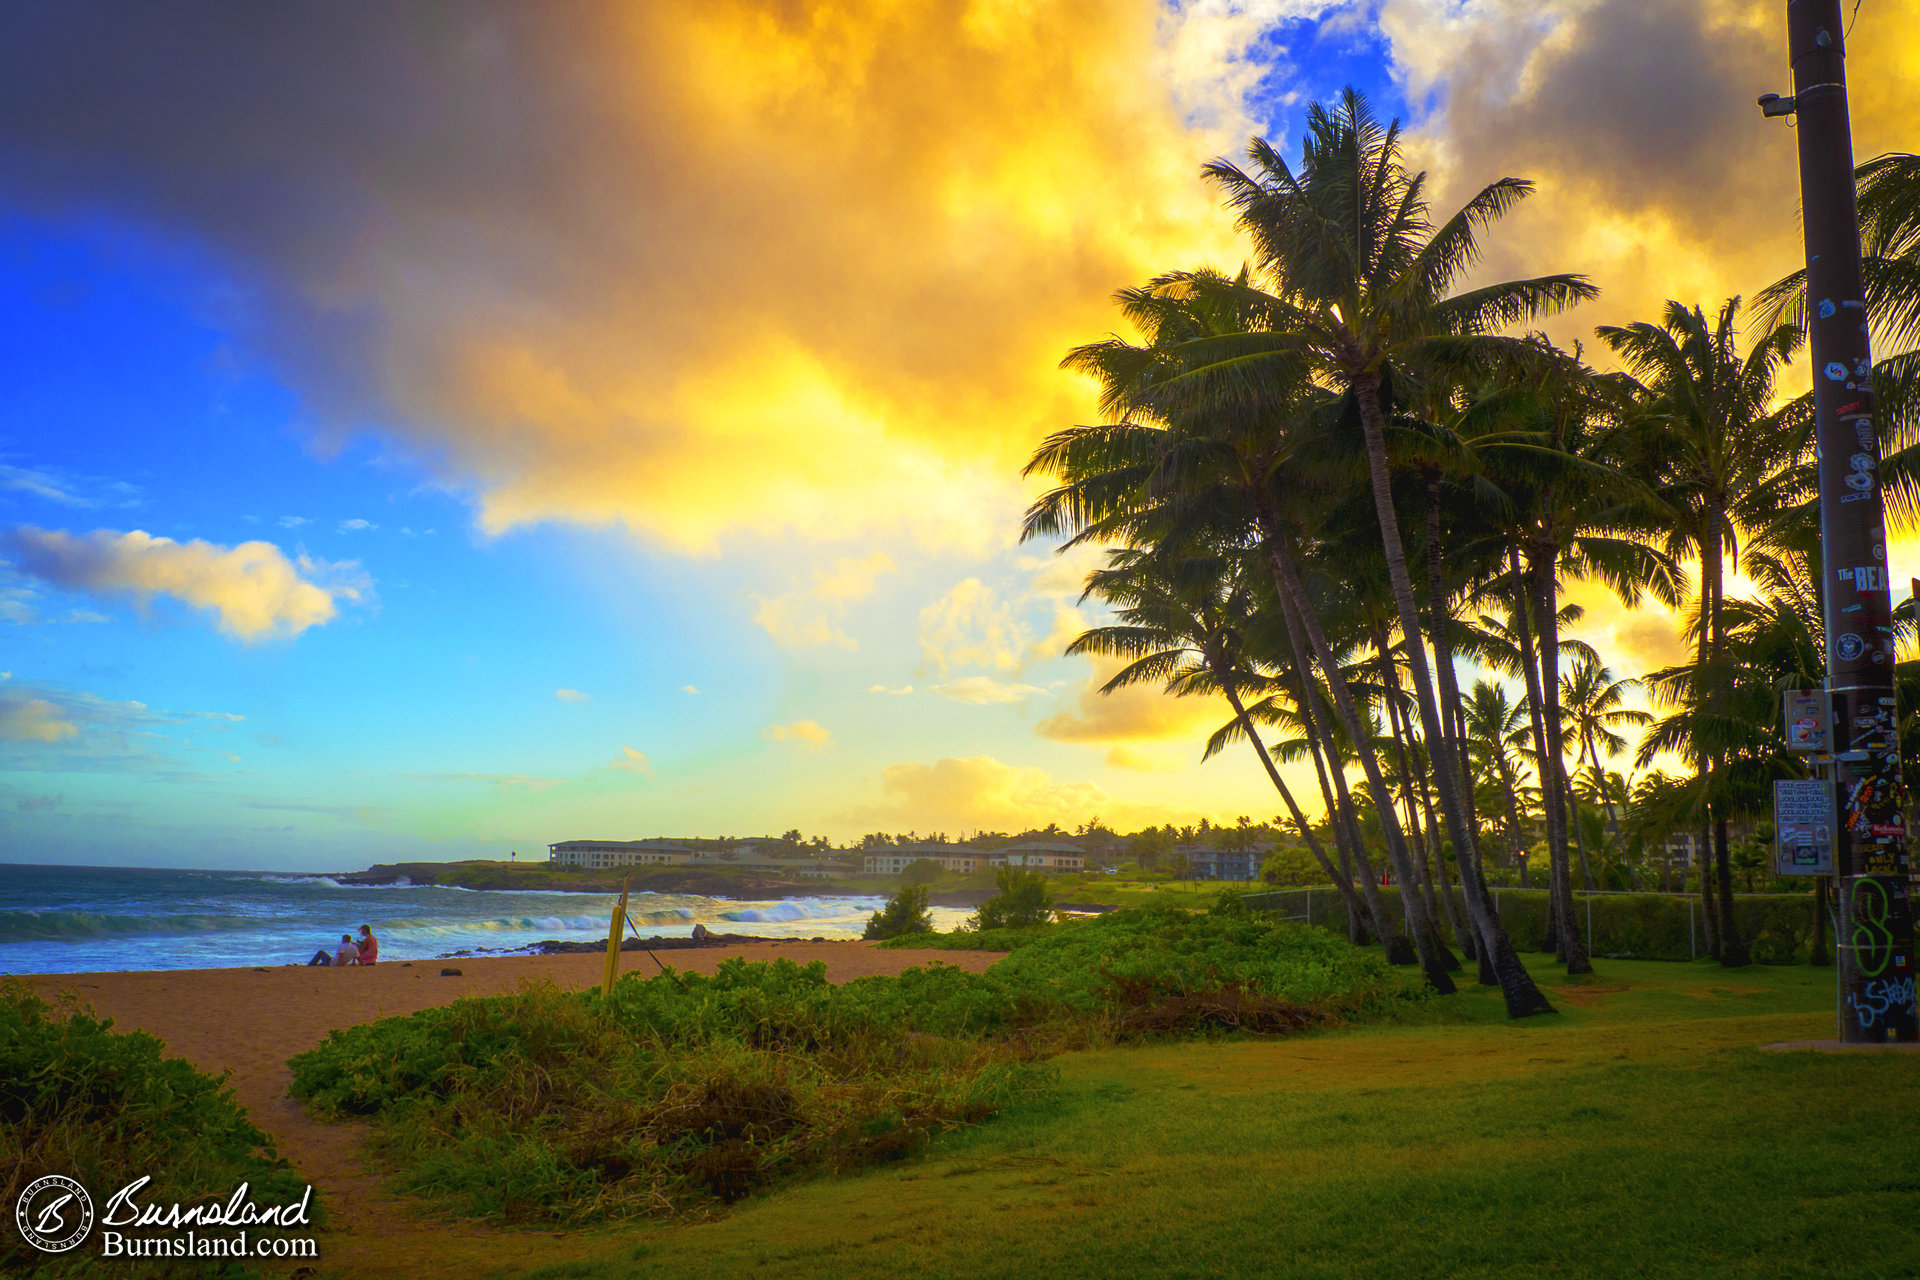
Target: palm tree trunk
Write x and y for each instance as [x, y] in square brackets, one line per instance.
[1286, 796]
[1495, 953]
[1709, 917]
[1522, 996]
[1549, 811]
[1357, 922]
[1733, 952]
[1401, 733]
[1321, 741]
[1287, 574]
[1545, 569]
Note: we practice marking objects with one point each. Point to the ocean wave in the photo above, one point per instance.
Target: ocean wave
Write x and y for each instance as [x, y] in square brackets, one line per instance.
[55, 925]
[500, 924]
[801, 909]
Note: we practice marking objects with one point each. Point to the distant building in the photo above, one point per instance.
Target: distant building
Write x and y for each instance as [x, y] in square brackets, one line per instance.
[1041, 855]
[599, 855]
[1207, 863]
[891, 860]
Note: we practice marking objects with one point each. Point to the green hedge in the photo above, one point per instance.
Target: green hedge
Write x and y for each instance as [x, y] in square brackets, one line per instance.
[1644, 926]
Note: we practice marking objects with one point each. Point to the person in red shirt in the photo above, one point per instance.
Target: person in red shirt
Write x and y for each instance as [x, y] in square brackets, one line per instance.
[369, 945]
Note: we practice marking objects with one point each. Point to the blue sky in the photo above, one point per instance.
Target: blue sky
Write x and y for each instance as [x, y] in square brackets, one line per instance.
[698, 393]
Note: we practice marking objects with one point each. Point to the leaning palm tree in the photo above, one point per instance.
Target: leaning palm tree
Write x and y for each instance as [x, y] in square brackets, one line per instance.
[1366, 283]
[1184, 624]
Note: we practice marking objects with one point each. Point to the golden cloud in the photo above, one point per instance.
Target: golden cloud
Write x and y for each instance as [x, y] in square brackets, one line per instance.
[1657, 175]
[28, 719]
[631, 761]
[571, 695]
[812, 617]
[253, 589]
[971, 626]
[694, 267]
[983, 793]
[1137, 713]
[808, 732]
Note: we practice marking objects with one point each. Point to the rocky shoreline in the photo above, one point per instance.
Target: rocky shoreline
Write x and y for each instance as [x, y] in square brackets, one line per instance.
[598, 946]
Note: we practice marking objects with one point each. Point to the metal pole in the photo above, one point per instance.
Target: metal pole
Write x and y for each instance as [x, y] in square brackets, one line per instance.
[1875, 967]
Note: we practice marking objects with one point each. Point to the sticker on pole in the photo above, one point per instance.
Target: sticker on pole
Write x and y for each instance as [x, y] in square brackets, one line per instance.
[1806, 719]
[1803, 823]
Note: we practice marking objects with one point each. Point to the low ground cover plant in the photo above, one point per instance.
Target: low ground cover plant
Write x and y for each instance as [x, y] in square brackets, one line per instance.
[108, 1107]
[681, 1093]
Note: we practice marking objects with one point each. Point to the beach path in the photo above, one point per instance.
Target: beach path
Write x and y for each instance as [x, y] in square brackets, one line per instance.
[248, 1022]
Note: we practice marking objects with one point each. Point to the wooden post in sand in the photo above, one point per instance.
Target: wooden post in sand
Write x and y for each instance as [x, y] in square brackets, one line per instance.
[613, 939]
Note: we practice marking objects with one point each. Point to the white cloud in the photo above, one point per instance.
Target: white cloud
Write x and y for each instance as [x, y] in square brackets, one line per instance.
[971, 626]
[812, 617]
[985, 690]
[809, 732]
[357, 525]
[253, 589]
[571, 695]
[293, 522]
[631, 761]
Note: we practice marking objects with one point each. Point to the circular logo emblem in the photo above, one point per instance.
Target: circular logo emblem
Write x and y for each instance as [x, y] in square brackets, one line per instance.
[1850, 647]
[54, 1213]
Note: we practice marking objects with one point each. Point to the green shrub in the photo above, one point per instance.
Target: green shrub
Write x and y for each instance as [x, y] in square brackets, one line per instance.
[682, 1092]
[905, 912]
[106, 1108]
[1023, 900]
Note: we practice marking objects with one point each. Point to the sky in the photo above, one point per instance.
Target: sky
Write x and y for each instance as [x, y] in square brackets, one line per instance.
[437, 431]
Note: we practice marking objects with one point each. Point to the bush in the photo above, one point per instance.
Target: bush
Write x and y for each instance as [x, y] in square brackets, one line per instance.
[107, 1107]
[905, 912]
[681, 1092]
[1023, 900]
[921, 871]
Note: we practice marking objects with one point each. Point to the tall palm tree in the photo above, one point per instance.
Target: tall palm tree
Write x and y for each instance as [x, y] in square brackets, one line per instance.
[1365, 280]
[1711, 443]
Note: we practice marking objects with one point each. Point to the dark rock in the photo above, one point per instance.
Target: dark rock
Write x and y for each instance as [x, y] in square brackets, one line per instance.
[450, 973]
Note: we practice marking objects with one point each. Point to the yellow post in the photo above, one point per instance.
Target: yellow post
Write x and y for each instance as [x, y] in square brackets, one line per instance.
[618, 928]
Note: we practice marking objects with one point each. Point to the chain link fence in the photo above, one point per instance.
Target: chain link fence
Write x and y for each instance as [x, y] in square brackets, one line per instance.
[1777, 928]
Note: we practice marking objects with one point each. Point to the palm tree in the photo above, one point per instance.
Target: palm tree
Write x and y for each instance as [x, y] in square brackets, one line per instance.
[1592, 709]
[1364, 281]
[1720, 456]
[1496, 736]
[1184, 625]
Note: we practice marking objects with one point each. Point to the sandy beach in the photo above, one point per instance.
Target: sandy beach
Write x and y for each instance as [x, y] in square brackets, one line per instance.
[250, 1021]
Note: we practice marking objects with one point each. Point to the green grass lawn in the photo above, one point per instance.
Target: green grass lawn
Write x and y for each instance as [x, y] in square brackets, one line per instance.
[1641, 1132]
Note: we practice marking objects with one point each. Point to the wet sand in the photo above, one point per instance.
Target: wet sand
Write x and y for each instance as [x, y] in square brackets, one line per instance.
[250, 1021]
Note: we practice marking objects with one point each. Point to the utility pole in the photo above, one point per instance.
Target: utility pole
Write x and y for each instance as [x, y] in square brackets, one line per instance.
[1875, 943]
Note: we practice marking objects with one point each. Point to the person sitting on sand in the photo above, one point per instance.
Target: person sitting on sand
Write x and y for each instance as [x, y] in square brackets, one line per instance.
[369, 945]
[322, 957]
[346, 952]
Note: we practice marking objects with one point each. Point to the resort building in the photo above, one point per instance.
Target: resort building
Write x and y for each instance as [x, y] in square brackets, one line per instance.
[598, 855]
[1041, 855]
[893, 859]
[1204, 862]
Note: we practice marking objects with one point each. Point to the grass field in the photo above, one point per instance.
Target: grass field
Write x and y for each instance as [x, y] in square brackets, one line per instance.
[1641, 1132]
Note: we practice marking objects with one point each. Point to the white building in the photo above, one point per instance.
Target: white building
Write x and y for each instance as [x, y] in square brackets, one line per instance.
[893, 859]
[599, 855]
[1041, 855]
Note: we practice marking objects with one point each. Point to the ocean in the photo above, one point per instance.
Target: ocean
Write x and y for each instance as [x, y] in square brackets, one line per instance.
[83, 919]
